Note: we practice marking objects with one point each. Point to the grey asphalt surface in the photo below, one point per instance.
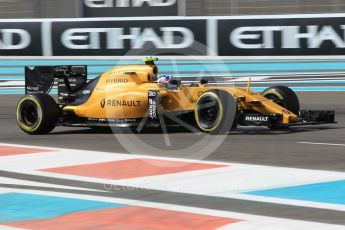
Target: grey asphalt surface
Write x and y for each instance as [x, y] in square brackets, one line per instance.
[250, 146]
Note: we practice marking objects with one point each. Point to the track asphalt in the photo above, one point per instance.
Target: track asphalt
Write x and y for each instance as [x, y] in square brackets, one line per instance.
[298, 147]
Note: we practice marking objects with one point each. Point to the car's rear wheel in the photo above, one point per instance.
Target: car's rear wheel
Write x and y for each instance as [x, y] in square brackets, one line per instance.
[215, 112]
[37, 114]
[285, 97]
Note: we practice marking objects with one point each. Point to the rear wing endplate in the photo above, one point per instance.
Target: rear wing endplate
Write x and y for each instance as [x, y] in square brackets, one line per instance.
[41, 79]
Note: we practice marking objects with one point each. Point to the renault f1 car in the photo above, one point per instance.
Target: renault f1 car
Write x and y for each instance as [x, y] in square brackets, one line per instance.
[130, 96]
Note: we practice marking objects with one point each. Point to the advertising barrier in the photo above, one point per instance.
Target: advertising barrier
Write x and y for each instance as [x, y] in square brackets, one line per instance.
[133, 8]
[289, 36]
[293, 35]
[135, 37]
[20, 39]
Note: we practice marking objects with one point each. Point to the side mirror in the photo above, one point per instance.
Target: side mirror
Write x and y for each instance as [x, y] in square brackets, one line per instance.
[204, 82]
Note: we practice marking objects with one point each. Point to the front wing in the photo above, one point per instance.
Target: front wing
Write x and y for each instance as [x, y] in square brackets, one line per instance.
[306, 117]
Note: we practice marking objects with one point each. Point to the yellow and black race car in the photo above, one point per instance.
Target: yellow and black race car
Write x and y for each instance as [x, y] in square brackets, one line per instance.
[129, 96]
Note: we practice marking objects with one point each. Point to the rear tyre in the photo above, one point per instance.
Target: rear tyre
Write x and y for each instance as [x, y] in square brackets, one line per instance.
[37, 114]
[215, 112]
[285, 97]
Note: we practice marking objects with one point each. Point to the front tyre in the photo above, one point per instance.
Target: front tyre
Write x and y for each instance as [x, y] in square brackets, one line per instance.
[285, 97]
[215, 112]
[37, 114]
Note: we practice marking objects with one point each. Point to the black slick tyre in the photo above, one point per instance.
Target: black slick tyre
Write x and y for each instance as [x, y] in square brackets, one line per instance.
[285, 97]
[215, 112]
[37, 114]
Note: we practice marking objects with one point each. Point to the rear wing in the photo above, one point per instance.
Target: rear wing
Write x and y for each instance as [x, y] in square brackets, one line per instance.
[41, 79]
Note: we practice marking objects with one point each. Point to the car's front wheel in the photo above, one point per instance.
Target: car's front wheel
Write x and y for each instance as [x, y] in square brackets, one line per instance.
[285, 97]
[215, 112]
[37, 114]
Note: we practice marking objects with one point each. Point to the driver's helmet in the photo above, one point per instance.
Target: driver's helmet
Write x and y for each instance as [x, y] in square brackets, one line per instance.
[165, 79]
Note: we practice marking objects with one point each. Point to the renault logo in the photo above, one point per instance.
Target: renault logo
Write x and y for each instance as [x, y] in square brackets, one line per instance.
[103, 103]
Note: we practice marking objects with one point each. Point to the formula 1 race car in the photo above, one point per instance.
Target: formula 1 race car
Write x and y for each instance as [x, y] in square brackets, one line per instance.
[128, 96]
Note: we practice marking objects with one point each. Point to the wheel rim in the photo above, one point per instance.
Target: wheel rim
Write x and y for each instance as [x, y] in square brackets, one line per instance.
[208, 112]
[29, 114]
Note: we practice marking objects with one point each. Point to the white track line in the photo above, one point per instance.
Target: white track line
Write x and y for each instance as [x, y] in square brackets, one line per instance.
[248, 222]
[316, 143]
[228, 181]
